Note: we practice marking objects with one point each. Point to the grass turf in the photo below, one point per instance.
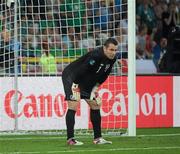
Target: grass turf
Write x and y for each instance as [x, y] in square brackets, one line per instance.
[147, 141]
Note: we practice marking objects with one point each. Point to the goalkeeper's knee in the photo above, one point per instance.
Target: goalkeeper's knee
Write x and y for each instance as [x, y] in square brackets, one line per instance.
[93, 104]
[75, 92]
[98, 101]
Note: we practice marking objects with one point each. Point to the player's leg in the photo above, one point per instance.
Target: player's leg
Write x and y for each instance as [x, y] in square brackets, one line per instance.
[95, 118]
[70, 115]
[70, 118]
[96, 122]
[70, 122]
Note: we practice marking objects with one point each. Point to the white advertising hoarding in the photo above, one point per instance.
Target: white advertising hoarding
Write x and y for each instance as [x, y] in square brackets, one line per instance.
[176, 100]
[41, 104]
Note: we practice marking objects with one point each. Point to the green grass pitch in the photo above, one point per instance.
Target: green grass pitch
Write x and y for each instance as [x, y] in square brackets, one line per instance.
[147, 141]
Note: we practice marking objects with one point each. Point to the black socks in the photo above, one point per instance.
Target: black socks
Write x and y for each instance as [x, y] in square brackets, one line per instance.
[70, 121]
[96, 122]
[95, 119]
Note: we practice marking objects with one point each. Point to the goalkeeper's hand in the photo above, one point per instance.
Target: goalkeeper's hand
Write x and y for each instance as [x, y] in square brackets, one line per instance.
[75, 92]
[95, 95]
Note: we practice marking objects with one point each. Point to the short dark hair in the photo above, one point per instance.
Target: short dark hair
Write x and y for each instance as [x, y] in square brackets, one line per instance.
[110, 41]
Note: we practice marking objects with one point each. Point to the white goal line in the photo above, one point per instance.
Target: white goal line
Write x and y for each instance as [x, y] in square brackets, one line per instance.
[46, 137]
[99, 150]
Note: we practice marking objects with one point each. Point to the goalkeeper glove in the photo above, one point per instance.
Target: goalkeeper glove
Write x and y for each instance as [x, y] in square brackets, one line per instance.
[75, 92]
[95, 95]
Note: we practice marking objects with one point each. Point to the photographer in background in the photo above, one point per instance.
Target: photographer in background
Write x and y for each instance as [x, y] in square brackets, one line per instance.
[158, 50]
[170, 61]
[169, 18]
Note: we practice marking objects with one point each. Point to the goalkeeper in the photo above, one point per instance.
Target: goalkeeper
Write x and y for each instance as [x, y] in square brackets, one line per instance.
[81, 79]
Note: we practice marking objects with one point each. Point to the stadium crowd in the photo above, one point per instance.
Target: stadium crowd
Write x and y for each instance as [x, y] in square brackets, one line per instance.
[155, 20]
[74, 27]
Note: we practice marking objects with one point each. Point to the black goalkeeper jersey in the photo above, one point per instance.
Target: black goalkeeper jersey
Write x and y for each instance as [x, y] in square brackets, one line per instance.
[91, 69]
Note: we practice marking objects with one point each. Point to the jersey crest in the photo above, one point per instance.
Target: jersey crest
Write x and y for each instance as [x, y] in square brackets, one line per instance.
[92, 62]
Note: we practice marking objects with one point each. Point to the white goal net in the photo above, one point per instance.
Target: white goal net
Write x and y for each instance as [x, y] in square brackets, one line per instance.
[38, 39]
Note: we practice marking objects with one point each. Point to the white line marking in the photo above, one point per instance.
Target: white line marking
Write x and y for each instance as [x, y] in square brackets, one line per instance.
[154, 135]
[46, 137]
[97, 150]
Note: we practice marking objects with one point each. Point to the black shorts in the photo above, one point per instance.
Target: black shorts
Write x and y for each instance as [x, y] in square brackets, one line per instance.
[67, 83]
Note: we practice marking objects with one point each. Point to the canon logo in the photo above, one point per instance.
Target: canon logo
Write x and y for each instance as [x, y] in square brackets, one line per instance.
[146, 104]
[33, 106]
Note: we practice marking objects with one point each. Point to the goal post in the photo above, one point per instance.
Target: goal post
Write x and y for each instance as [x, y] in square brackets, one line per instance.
[39, 39]
[131, 68]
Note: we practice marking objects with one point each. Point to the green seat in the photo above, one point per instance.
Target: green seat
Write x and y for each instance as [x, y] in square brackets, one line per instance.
[38, 52]
[71, 53]
[56, 52]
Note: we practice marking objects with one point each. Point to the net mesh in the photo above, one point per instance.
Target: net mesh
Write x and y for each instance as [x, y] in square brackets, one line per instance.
[40, 38]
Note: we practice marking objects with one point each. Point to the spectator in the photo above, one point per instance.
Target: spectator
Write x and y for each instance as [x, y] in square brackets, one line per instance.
[146, 14]
[32, 7]
[89, 12]
[56, 39]
[100, 36]
[2, 5]
[70, 40]
[47, 61]
[118, 8]
[158, 6]
[124, 23]
[170, 61]
[121, 37]
[1, 22]
[102, 15]
[169, 19]
[141, 43]
[33, 37]
[159, 49]
[48, 22]
[86, 40]
[8, 47]
[72, 14]
[24, 25]
[178, 8]
[148, 47]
